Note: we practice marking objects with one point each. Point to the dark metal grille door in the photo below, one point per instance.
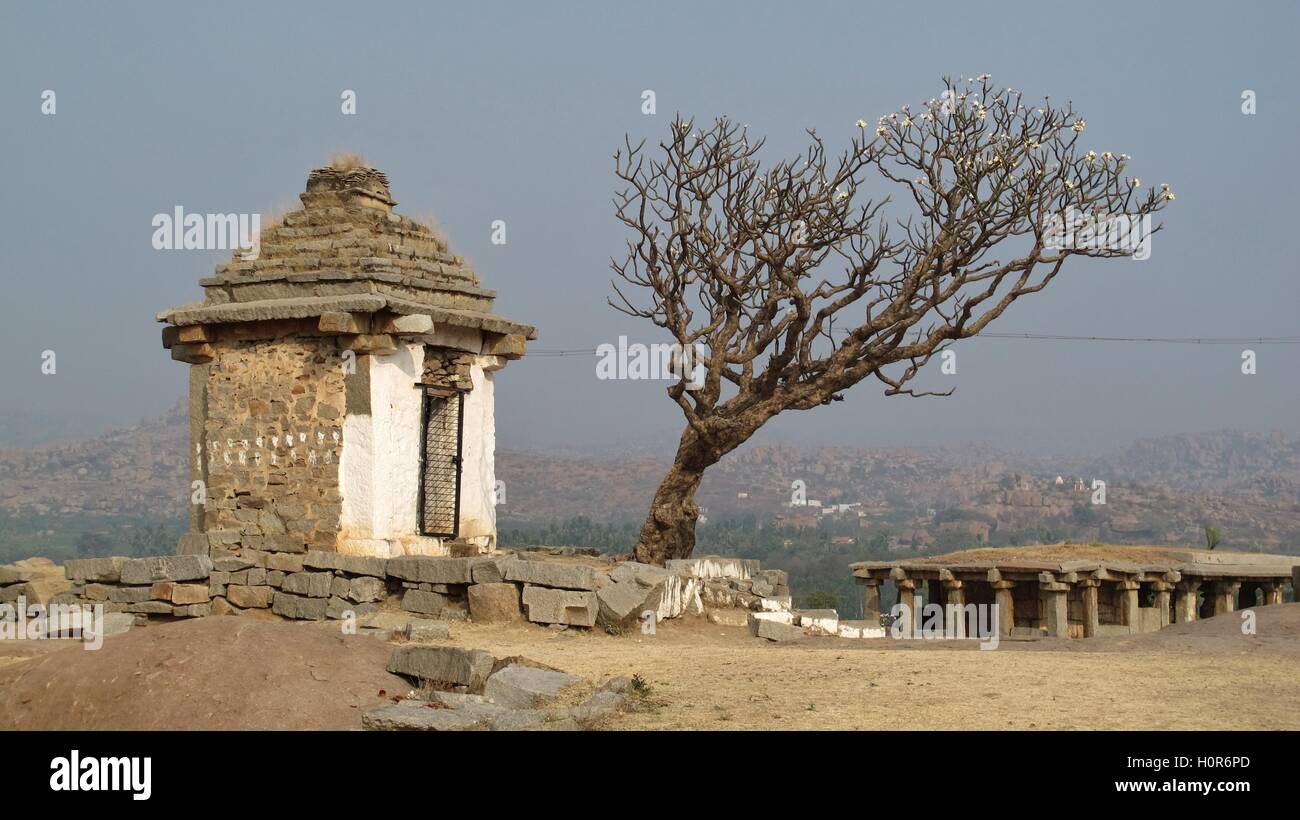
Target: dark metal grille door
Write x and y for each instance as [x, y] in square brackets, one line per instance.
[440, 466]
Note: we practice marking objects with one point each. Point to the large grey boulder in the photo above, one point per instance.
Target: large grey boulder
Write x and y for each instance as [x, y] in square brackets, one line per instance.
[776, 631]
[420, 630]
[599, 707]
[444, 664]
[526, 687]
[622, 602]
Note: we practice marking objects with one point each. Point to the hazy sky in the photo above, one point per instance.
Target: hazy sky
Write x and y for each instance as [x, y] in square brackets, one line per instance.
[512, 111]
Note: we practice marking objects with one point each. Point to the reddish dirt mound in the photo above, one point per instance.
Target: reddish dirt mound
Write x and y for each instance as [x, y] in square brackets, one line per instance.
[209, 673]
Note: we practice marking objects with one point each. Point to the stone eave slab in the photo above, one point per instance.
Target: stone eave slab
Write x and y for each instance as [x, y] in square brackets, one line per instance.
[198, 313]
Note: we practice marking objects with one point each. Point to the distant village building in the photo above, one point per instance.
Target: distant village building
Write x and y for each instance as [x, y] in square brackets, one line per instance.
[341, 385]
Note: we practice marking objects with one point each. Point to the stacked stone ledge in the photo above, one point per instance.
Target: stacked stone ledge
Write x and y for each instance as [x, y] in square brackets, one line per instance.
[318, 585]
[171, 586]
[424, 593]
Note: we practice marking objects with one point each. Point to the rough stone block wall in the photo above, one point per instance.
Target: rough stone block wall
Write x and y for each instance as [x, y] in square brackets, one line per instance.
[446, 367]
[272, 436]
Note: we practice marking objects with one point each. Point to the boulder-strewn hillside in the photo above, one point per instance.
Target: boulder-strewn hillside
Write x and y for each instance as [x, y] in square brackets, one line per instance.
[1162, 490]
[1220, 461]
[137, 470]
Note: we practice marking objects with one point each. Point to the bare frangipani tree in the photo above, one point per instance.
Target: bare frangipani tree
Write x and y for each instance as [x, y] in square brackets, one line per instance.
[792, 288]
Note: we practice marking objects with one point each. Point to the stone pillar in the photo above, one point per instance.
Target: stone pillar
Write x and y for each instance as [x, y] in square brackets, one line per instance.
[870, 599]
[955, 596]
[1006, 606]
[1129, 603]
[907, 595]
[1185, 610]
[1225, 596]
[1272, 593]
[1162, 589]
[1056, 608]
[1091, 618]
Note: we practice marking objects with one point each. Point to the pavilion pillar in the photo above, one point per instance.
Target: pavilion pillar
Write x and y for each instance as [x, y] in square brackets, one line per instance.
[870, 599]
[907, 595]
[1091, 614]
[955, 607]
[1162, 589]
[1272, 593]
[1006, 606]
[1056, 607]
[1185, 609]
[1129, 603]
[1225, 596]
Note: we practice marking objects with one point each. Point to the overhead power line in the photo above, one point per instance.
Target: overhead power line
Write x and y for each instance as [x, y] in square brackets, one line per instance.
[1060, 337]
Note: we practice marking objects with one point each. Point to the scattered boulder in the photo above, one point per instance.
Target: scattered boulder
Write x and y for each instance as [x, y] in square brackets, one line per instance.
[526, 687]
[622, 602]
[598, 708]
[424, 716]
[421, 629]
[776, 630]
[443, 664]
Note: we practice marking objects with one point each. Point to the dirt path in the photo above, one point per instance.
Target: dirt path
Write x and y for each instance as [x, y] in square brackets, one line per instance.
[232, 673]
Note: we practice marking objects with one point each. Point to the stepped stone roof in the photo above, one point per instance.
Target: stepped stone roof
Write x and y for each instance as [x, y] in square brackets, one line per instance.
[346, 250]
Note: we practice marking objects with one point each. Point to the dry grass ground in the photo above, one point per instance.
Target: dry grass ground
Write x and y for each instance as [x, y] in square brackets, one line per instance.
[236, 673]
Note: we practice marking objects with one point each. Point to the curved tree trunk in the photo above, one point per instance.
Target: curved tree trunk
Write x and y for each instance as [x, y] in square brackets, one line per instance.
[669, 528]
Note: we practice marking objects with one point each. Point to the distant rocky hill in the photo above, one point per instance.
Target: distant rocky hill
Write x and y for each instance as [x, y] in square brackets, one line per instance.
[1160, 490]
[137, 470]
[1221, 461]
